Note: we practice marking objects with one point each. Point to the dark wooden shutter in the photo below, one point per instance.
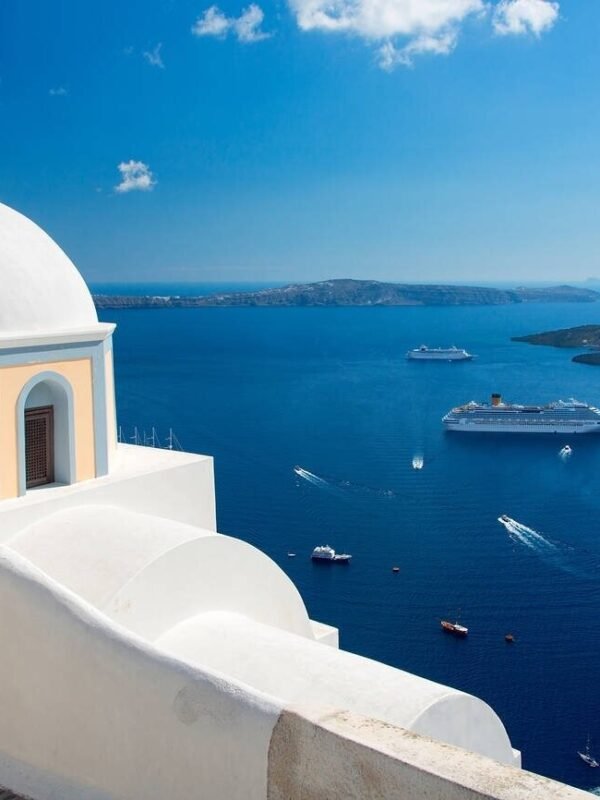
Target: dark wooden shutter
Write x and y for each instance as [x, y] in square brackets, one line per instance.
[39, 445]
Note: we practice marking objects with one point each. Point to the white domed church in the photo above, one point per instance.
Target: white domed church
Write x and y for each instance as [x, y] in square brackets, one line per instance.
[56, 366]
[145, 655]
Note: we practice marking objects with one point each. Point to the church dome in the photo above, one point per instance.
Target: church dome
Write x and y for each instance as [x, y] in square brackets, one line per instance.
[41, 291]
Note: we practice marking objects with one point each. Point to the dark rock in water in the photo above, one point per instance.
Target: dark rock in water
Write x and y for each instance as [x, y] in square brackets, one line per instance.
[588, 358]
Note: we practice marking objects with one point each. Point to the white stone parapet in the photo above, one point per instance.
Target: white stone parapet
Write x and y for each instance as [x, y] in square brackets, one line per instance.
[94, 713]
[318, 754]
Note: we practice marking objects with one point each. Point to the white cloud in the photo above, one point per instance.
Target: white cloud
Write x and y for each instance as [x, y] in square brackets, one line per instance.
[59, 91]
[154, 57]
[405, 29]
[135, 176]
[212, 23]
[246, 27]
[389, 56]
[525, 16]
[378, 19]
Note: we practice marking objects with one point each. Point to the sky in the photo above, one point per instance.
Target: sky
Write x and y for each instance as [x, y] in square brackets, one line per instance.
[405, 140]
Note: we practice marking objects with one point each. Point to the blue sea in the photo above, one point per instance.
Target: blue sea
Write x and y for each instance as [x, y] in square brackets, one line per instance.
[330, 390]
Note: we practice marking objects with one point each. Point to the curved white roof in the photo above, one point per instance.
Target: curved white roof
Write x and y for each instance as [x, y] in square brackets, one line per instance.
[41, 290]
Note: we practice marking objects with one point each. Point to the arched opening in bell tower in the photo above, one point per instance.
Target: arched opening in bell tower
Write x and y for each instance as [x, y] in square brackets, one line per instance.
[46, 432]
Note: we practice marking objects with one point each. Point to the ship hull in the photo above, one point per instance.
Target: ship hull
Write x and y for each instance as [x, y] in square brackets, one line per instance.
[439, 356]
[475, 427]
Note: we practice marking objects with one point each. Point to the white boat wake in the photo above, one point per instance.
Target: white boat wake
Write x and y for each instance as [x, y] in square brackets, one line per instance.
[527, 536]
[311, 478]
[581, 563]
[336, 486]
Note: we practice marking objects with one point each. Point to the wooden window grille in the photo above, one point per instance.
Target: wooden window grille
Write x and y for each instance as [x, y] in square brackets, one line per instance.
[39, 446]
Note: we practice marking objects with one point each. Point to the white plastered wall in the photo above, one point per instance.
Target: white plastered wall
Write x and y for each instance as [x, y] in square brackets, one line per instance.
[297, 670]
[218, 603]
[160, 483]
[92, 713]
[149, 573]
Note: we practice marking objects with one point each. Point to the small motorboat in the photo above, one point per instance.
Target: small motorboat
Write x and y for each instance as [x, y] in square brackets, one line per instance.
[565, 451]
[291, 555]
[508, 637]
[504, 518]
[417, 462]
[586, 757]
[454, 628]
[326, 553]
[395, 569]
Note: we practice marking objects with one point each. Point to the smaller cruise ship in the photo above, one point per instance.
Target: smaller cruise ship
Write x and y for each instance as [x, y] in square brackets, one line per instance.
[326, 553]
[424, 353]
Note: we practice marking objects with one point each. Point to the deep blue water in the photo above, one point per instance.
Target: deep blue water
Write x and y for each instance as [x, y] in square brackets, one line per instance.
[330, 390]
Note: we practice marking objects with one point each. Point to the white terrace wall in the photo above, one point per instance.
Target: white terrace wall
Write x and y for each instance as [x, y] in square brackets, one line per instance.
[113, 719]
[166, 484]
[92, 713]
[334, 755]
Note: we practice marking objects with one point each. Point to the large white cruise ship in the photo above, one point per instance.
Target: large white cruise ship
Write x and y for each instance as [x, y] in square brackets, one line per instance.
[424, 353]
[499, 417]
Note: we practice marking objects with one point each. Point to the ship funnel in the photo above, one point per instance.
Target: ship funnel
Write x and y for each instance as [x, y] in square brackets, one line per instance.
[496, 399]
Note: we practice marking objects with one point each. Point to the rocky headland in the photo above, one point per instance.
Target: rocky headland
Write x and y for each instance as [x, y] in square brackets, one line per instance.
[580, 336]
[349, 292]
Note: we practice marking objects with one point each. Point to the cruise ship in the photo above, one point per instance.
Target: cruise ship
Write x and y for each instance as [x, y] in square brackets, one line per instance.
[424, 353]
[499, 417]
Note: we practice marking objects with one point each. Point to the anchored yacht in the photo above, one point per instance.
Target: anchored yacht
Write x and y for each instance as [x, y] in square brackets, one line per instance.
[326, 553]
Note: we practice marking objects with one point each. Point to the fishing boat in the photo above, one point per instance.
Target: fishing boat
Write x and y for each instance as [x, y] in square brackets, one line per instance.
[586, 757]
[454, 628]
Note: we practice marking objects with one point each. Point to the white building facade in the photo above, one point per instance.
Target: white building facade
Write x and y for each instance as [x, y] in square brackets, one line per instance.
[144, 654]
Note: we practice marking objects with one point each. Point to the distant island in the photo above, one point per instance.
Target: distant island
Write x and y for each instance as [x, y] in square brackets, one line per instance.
[580, 336]
[349, 292]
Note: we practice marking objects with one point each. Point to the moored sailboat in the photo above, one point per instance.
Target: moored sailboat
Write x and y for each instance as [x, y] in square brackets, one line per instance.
[586, 757]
